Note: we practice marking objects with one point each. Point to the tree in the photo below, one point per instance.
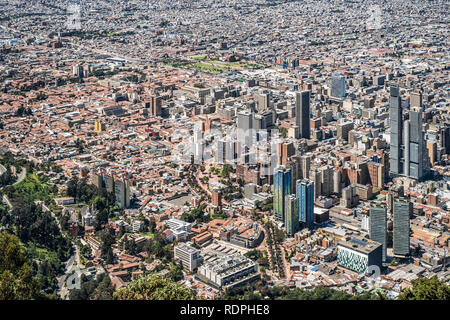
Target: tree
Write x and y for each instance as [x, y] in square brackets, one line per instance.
[16, 279]
[107, 237]
[72, 186]
[426, 289]
[154, 287]
[176, 274]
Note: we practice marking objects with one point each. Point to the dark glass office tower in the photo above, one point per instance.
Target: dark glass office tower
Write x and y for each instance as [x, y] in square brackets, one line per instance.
[377, 226]
[418, 153]
[302, 110]
[402, 211]
[396, 124]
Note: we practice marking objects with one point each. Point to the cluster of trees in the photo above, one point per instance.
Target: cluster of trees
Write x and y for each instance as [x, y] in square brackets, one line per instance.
[258, 256]
[196, 214]
[427, 289]
[157, 246]
[220, 214]
[129, 245]
[154, 287]
[99, 288]
[275, 237]
[37, 229]
[22, 111]
[8, 160]
[47, 266]
[192, 181]
[104, 202]
[423, 289]
[7, 177]
[16, 276]
[33, 188]
[259, 290]
[34, 225]
[318, 293]
[81, 190]
[107, 238]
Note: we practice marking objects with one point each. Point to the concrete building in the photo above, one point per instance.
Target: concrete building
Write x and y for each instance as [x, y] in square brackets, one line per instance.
[229, 271]
[358, 254]
[188, 256]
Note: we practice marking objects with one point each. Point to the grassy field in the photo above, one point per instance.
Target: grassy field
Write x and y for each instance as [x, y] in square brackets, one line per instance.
[211, 66]
[148, 234]
[33, 186]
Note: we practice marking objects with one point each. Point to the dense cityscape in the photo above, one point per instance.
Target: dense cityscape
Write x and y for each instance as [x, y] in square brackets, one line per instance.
[224, 150]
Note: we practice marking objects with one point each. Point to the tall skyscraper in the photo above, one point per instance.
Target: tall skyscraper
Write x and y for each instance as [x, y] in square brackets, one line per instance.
[402, 211]
[291, 221]
[282, 187]
[305, 162]
[305, 195]
[377, 226]
[338, 85]
[122, 192]
[409, 155]
[220, 155]
[244, 127]
[337, 185]
[326, 180]
[302, 111]
[155, 106]
[396, 124]
[418, 161]
[262, 100]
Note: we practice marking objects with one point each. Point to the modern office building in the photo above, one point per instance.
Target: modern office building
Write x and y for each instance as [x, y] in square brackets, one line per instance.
[418, 161]
[305, 195]
[245, 128]
[358, 254]
[338, 85]
[402, 212]
[291, 219]
[396, 125]
[377, 226]
[302, 111]
[409, 154]
[188, 256]
[155, 106]
[229, 271]
[282, 187]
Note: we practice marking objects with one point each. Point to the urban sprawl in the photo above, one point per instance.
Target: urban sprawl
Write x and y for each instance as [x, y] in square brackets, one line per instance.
[228, 148]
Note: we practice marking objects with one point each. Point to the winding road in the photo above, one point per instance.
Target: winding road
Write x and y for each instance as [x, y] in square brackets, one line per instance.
[21, 176]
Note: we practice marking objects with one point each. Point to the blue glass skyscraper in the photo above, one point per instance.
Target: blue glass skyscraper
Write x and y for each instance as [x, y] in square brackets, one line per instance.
[282, 187]
[305, 195]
